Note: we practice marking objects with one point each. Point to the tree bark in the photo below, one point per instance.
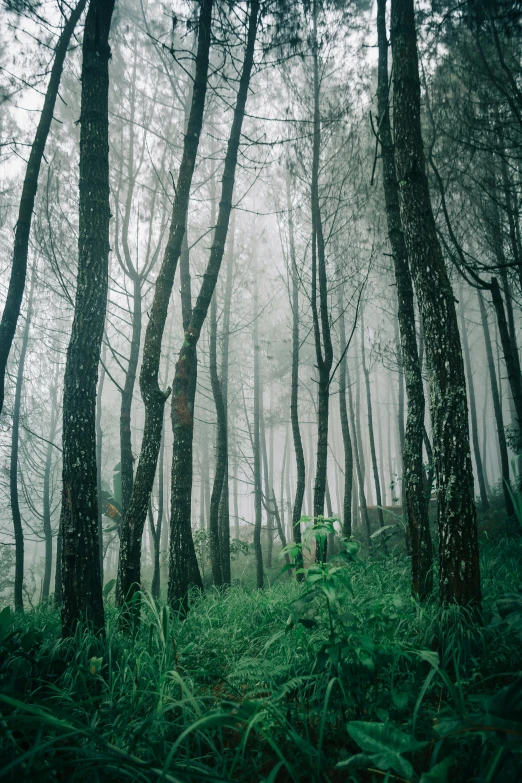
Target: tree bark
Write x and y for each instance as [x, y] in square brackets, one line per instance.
[221, 448]
[13, 468]
[410, 366]
[371, 435]
[297, 509]
[15, 291]
[484, 500]
[47, 528]
[509, 351]
[183, 566]
[99, 454]
[321, 321]
[258, 489]
[224, 505]
[497, 408]
[129, 570]
[81, 577]
[459, 568]
[357, 451]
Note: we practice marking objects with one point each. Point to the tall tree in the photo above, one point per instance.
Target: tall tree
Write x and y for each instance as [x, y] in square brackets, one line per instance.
[183, 565]
[129, 564]
[15, 291]
[497, 408]
[256, 448]
[81, 577]
[411, 444]
[294, 389]
[371, 435]
[459, 569]
[13, 468]
[484, 500]
[321, 316]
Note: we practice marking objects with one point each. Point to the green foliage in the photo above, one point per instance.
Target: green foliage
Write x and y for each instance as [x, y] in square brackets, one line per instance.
[342, 677]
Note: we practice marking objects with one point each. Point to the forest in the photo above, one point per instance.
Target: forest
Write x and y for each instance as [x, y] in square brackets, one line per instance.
[261, 391]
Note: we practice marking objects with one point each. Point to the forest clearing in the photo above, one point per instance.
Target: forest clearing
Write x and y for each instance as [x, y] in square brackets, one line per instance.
[261, 391]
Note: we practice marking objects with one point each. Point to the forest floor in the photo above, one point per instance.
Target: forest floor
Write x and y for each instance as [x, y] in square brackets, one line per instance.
[341, 678]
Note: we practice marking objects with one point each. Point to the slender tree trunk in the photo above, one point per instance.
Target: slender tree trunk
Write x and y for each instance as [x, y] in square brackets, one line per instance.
[157, 530]
[294, 389]
[47, 528]
[15, 291]
[81, 586]
[509, 351]
[473, 408]
[205, 479]
[382, 472]
[371, 436]
[236, 504]
[497, 408]
[126, 456]
[459, 568]
[99, 454]
[183, 566]
[221, 448]
[345, 429]
[358, 418]
[224, 505]
[129, 571]
[13, 469]
[266, 475]
[321, 321]
[485, 441]
[258, 490]
[357, 452]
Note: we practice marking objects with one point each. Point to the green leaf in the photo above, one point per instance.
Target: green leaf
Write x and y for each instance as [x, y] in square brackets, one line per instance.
[438, 773]
[108, 587]
[385, 743]
[359, 761]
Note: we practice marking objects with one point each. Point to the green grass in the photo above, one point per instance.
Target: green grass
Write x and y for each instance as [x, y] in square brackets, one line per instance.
[343, 678]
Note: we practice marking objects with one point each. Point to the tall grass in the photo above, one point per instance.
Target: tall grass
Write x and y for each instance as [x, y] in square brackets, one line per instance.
[285, 684]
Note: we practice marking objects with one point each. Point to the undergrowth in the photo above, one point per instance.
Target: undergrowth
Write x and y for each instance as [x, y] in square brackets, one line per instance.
[342, 678]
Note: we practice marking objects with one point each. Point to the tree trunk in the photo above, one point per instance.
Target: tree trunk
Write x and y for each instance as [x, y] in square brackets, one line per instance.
[156, 531]
[321, 321]
[81, 577]
[258, 490]
[410, 438]
[129, 570]
[47, 528]
[183, 567]
[371, 435]
[13, 468]
[294, 389]
[497, 408]
[473, 408]
[509, 351]
[15, 291]
[459, 568]
[345, 429]
[357, 452]
[224, 505]
[221, 449]
[99, 454]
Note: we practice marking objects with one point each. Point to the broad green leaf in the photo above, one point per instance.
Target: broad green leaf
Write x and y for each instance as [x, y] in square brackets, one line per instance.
[385, 743]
